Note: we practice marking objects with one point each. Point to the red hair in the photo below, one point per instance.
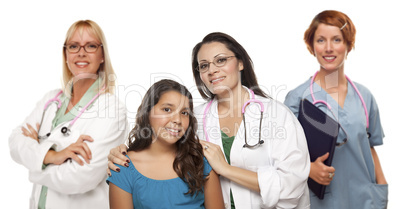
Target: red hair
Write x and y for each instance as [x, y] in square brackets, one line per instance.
[333, 18]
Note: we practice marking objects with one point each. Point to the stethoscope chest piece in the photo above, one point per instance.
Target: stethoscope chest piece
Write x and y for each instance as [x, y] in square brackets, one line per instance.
[260, 142]
[368, 134]
[65, 131]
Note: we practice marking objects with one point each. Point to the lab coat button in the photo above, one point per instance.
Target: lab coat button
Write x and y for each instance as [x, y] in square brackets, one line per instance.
[226, 205]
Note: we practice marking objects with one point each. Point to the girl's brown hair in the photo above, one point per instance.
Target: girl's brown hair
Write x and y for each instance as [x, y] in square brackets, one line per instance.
[189, 162]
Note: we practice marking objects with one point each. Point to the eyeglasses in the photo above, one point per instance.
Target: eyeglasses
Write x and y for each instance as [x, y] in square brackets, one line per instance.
[89, 47]
[219, 61]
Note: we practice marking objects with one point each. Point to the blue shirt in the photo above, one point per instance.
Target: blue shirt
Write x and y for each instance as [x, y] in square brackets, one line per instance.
[354, 184]
[158, 194]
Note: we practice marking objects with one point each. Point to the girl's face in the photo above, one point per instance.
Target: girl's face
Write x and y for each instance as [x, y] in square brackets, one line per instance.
[170, 117]
[219, 79]
[329, 47]
[82, 61]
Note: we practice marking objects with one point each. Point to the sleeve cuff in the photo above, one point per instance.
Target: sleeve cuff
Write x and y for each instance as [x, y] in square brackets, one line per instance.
[270, 186]
[44, 147]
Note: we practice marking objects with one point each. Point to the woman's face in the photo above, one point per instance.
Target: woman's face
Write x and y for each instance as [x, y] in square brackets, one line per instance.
[329, 47]
[170, 117]
[82, 61]
[222, 79]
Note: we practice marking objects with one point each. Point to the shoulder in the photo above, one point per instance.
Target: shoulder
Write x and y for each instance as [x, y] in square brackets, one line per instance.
[108, 100]
[139, 157]
[273, 105]
[207, 167]
[364, 91]
[133, 155]
[368, 98]
[277, 112]
[51, 94]
[125, 172]
[200, 108]
[124, 179]
[293, 98]
[299, 91]
[121, 177]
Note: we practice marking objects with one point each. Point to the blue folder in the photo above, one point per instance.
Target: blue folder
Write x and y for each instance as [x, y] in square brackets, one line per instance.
[321, 133]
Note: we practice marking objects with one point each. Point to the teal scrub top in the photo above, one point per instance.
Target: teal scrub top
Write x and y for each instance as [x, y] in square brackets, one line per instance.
[354, 184]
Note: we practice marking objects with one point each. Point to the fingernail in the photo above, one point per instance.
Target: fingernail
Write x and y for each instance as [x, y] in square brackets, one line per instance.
[109, 174]
[124, 153]
[128, 161]
[126, 164]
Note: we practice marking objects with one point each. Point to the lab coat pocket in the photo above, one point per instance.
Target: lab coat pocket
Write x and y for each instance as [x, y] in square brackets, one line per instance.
[380, 196]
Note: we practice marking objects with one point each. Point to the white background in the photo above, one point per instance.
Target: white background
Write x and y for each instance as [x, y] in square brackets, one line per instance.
[148, 39]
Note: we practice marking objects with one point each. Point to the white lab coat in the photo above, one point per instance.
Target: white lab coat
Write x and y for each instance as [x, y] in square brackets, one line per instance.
[282, 162]
[69, 184]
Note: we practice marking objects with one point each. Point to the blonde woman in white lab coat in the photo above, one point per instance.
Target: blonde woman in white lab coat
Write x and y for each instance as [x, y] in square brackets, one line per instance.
[266, 172]
[64, 147]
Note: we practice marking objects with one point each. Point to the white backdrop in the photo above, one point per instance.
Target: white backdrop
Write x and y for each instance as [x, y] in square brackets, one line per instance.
[152, 39]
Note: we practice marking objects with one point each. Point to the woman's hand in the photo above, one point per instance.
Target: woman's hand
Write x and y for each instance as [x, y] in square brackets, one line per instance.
[117, 155]
[217, 160]
[380, 178]
[321, 173]
[215, 157]
[71, 152]
[31, 132]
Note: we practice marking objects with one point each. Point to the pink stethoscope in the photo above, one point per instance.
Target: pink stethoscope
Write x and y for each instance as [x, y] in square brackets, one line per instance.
[64, 130]
[329, 106]
[244, 120]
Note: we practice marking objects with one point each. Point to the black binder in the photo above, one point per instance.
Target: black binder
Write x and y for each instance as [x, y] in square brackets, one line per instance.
[321, 133]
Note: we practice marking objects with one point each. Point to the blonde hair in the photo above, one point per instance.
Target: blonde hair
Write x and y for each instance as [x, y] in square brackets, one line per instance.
[105, 72]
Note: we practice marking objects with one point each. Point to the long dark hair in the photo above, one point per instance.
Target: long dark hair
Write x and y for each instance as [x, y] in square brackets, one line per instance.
[188, 163]
[248, 77]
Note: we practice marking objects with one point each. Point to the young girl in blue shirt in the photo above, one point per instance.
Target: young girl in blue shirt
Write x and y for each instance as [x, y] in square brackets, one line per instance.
[166, 167]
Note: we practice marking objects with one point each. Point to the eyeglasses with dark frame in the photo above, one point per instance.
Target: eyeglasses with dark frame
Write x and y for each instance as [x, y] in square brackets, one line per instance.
[219, 61]
[89, 47]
